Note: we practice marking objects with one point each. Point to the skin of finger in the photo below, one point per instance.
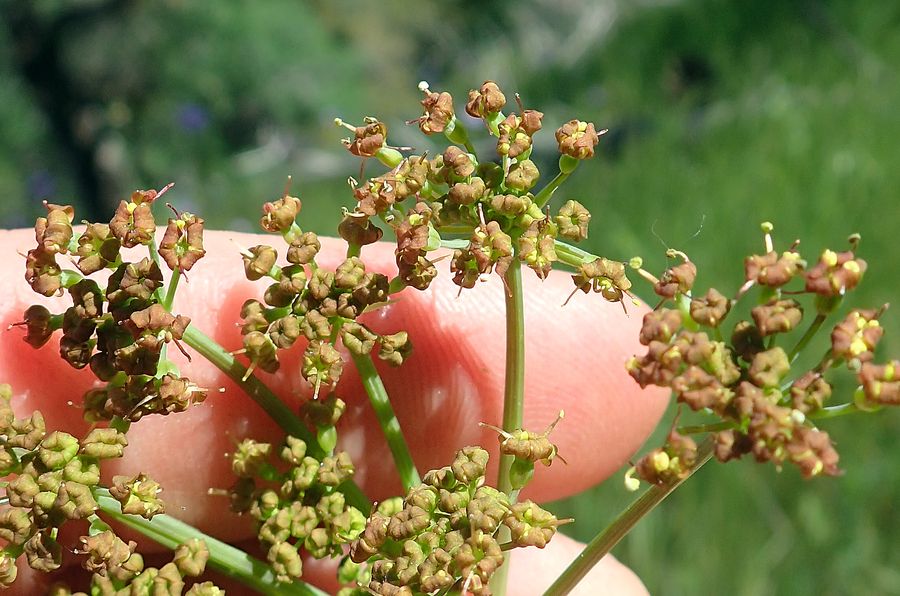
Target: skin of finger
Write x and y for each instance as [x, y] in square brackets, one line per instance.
[454, 380]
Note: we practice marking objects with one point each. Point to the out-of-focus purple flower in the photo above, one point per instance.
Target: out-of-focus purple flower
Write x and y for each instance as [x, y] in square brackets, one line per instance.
[193, 118]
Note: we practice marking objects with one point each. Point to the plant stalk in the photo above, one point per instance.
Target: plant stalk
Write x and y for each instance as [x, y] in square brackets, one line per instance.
[268, 401]
[600, 546]
[390, 426]
[513, 396]
[224, 558]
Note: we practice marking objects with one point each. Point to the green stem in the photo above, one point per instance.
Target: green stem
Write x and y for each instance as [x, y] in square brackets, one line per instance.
[572, 255]
[834, 411]
[224, 558]
[544, 196]
[513, 397]
[268, 401]
[813, 328]
[390, 426]
[353, 249]
[600, 546]
[514, 389]
[706, 428]
[170, 290]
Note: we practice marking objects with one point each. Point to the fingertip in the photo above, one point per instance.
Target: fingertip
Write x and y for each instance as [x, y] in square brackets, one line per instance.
[534, 570]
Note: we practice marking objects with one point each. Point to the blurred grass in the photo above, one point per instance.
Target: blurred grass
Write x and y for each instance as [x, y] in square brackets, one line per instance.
[797, 125]
[722, 114]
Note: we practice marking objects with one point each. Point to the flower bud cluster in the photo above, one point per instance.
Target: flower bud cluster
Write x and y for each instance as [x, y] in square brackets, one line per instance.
[300, 507]
[52, 480]
[118, 569]
[747, 380]
[443, 536]
[119, 331]
[455, 192]
[309, 302]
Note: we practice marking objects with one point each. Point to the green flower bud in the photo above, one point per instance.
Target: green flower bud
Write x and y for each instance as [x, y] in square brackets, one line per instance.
[249, 458]
[530, 525]
[347, 526]
[319, 544]
[303, 249]
[304, 520]
[285, 561]
[259, 262]
[572, 221]
[134, 280]
[21, 490]
[292, 450]
[373, 288]
[356, 228]
[133, 222]
[43, 552]
[279, 216]
[321, 283]
[768, 368]
[357, 338]
[75, 500]
[8, 570]
[138, 495]
[261, 352]
[9, 463]
[15, 525]
[315, 326]
[334, 470]
[349, 273]
[253, 313]
[577, 139]
[42, 272]
[182, 244]
[57, 449]
[168, 582]
[467, 193]
[469, 465]
[522, 176]
[205, 589]
[395, 349]
[97, 249]
[104, 443]
[777, 316]
[26, 433]
[409, 522]
[322, 364]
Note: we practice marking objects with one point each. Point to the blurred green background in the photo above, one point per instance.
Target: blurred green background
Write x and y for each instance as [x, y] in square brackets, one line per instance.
[722, 114]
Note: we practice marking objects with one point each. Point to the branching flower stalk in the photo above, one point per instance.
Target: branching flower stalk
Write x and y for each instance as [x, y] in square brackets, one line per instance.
[390, 426]
[451, 532]
[224, 558]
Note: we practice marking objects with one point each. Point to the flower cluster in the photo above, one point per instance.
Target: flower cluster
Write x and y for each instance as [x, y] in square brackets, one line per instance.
[444, 535]
[118, 569]
[119, 331]
[490, 202]
[305, 509]
[309, 301]
[54, 476]
[766, 408]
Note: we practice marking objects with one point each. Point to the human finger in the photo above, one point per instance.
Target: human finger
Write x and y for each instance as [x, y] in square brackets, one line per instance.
[575, 361]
